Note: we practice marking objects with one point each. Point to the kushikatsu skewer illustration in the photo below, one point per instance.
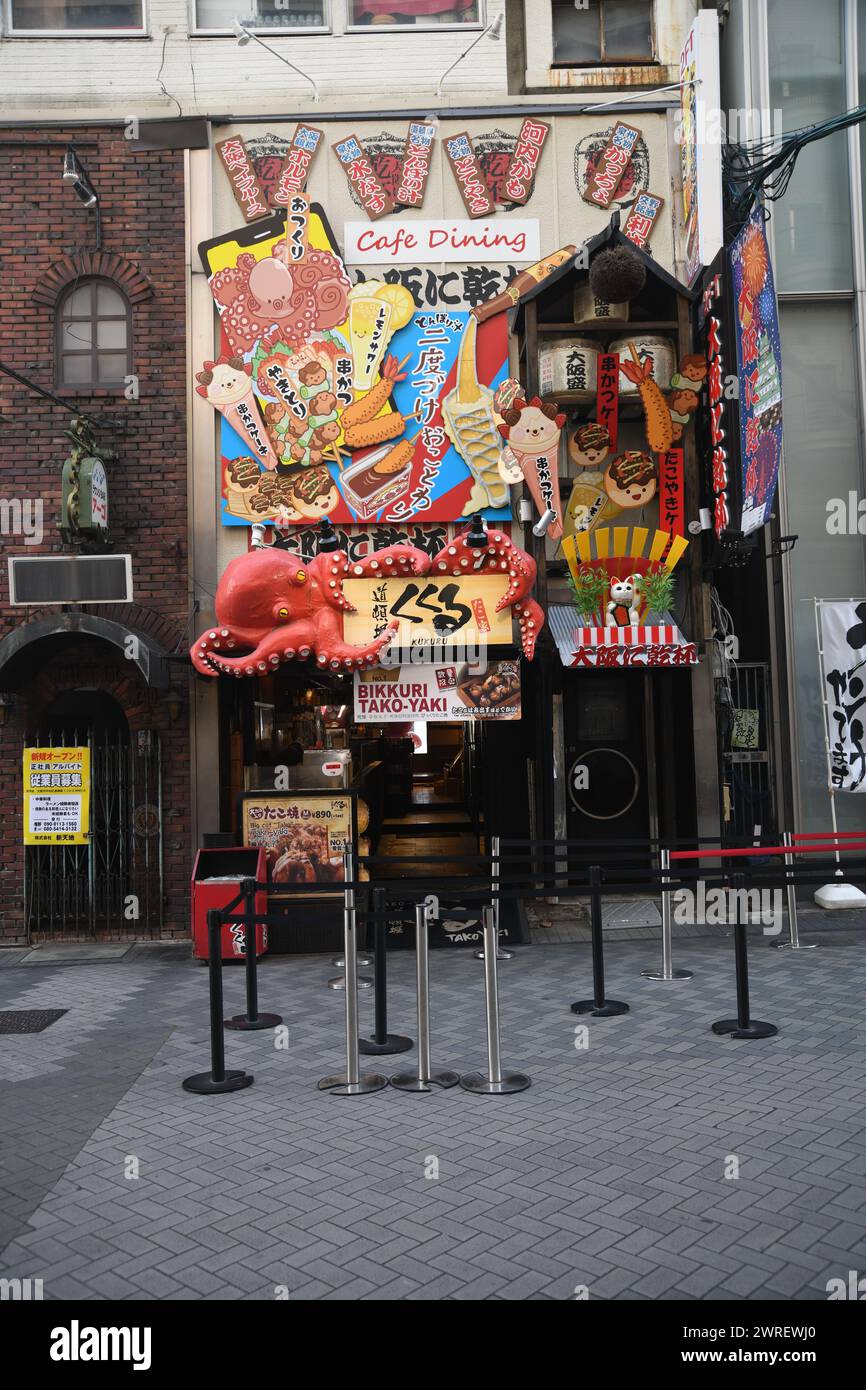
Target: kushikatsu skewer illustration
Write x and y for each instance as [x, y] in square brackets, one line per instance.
[470, 422]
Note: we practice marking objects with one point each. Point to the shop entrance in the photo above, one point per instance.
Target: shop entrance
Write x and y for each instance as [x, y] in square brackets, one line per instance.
[431, 809]
[113, 884]
[606, 757]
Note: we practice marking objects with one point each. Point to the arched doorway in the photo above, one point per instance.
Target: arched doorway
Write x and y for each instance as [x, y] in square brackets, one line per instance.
[111, 886]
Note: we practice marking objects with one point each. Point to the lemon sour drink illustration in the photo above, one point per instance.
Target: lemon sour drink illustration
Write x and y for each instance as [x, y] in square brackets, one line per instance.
[376, 312]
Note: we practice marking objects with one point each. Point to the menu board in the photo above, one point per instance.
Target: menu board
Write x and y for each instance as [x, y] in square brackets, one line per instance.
[304, 833]
[395, 695]
[56, 796]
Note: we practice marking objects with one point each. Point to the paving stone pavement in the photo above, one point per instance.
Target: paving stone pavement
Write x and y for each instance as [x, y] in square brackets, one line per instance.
[608, 1172]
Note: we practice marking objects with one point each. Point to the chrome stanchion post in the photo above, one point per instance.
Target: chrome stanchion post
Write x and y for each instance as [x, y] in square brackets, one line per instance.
[494, 1084]
[794, 944]
[667, 971]
[425, 1076]
[354, 1082]
[501, 952]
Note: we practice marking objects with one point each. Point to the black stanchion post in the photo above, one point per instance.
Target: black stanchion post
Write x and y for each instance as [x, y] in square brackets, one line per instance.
[743, 1026]
[217, 1080]
[382, 1043]
[599, 1007]
[252, 1020]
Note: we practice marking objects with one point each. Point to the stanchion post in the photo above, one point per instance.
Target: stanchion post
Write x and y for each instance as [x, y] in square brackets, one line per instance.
[794, 943]
[494, 1083]
[599, 1007]
[421, 1081]
[252, 1020]
[354, 1082]
[217, 1080]
[667, 971]
[743, 1026]
[382, 1042]
[501, 952]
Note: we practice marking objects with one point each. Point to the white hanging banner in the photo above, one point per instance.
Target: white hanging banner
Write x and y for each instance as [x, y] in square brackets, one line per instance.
[843, 690]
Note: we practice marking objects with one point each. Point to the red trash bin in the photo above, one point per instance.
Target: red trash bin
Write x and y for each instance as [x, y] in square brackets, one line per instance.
[216, 879]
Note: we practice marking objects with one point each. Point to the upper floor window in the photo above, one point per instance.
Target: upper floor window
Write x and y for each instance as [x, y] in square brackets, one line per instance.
[266, 16]
[94, 336]
[424, 13]
[117, 18]
[588, 34]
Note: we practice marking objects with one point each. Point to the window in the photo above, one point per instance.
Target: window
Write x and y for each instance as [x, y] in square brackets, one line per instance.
[94, 337]
[119, 18]
[602, 31]
[269, 16]
[424, 13]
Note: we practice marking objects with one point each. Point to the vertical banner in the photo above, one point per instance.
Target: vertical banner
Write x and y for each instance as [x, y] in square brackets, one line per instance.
[467, 172]
[843, 689]
[415, 168]
[607, 395]
[641, 219]
[361, 176]
[605, 179]
[672, 511]
[56, 796]
[700, 144]
[759, 369]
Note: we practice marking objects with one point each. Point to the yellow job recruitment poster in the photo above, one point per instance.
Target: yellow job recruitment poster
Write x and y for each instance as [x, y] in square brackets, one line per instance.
[56, 796]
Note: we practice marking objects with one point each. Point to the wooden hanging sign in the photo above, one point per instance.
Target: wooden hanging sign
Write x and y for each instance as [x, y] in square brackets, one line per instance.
[292, 178]
[362, 177]
[607, 395]
[297, 228]
[470, 180]
[520, 174]
[607, 174]
[641, 219]
[415, 168]
[242, 177]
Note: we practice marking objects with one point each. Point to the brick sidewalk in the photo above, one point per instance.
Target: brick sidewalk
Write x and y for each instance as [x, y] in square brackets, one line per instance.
[609, 1172]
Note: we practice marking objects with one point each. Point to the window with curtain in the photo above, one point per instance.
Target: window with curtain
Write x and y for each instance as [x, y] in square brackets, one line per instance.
[269, 15]
[602, 31]
[94, 337]
[425, 13]
[76, 16]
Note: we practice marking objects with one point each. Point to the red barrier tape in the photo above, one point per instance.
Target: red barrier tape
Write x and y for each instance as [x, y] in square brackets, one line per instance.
[757, 852]
[828, 835]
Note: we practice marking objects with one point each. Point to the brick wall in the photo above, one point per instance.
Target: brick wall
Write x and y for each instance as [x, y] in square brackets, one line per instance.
[142, 200]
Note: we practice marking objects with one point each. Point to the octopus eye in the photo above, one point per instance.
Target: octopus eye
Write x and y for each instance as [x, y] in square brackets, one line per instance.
[301, 577]
[282, 612]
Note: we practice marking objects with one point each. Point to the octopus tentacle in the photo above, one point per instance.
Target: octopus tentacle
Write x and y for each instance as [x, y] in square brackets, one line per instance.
[281, 644]
[203, 654]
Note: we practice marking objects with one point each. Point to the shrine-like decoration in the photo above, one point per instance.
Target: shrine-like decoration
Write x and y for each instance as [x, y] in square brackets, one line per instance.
[622, 585]
[271, 607]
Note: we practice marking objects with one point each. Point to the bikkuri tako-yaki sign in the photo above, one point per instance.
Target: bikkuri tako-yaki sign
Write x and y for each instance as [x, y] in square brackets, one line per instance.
[346, 402]
[397, 695]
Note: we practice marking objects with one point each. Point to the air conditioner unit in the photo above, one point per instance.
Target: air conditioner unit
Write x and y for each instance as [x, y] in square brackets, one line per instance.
[43, 579]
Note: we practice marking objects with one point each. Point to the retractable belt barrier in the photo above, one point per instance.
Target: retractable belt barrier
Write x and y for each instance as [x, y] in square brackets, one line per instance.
[501, 878]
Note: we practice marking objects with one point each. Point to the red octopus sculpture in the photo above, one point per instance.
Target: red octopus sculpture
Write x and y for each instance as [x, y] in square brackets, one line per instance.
[275, 608]
[255, 295]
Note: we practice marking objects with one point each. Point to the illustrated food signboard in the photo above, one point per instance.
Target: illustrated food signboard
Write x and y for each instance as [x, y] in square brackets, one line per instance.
[304, 833]
[395, 695]
[343, 401]
[56, 796]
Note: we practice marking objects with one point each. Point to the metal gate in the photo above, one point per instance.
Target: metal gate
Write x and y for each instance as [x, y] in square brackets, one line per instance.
[749, 756]
[111, 886]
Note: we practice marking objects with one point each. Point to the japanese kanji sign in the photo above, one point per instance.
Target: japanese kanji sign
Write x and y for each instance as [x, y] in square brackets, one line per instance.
[672, 514]
[641, 219]
[608, 172]
[415, 169]
[292, 178]
[361, 176]
[843, 682]
[438, 692]
[242, 177]
[759, 368]
[524, 161]
[470, 180]
[304, 833]
[607, 395]
[453, 611]
[56, 796]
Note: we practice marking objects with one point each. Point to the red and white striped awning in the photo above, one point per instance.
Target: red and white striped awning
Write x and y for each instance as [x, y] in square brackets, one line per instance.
[650, 644]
